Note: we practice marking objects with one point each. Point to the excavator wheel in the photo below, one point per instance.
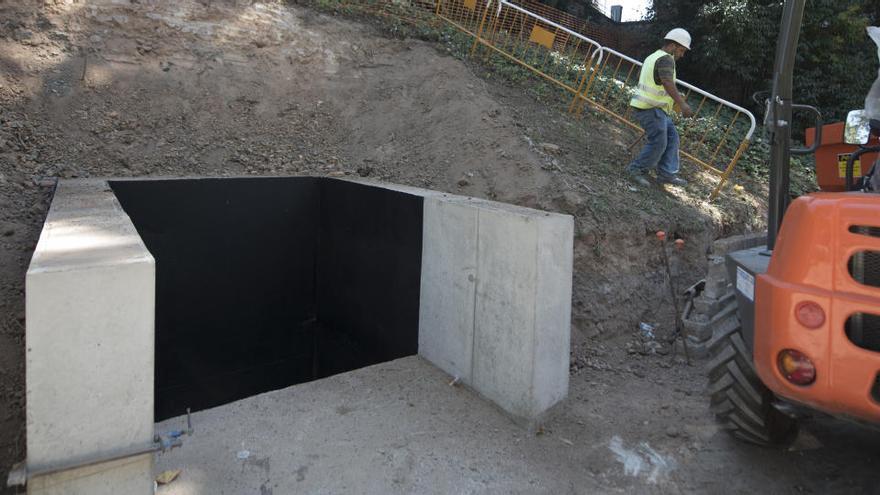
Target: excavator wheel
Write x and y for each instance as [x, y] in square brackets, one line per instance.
[741, 403]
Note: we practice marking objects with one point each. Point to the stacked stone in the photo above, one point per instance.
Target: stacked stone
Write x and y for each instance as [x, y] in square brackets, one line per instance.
[711, 308]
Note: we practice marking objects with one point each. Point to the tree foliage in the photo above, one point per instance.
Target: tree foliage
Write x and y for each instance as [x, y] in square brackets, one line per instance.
[735, 44]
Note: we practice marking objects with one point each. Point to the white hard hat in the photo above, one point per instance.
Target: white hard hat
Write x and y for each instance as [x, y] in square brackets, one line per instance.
[680, 36]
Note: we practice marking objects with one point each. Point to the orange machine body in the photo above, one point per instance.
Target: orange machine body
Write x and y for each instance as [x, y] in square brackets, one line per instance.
[811, 263]
[832, 155]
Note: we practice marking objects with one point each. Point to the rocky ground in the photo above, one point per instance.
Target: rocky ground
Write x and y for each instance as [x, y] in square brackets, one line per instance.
[218, 88]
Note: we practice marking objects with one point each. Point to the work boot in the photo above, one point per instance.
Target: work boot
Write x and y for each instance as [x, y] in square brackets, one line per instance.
[637, 177]
[671, 179]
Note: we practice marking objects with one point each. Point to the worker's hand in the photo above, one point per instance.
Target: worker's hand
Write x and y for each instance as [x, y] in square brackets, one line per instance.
[686, 110]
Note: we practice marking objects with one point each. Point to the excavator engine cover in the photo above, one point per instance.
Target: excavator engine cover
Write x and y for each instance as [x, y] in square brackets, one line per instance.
[832, 155]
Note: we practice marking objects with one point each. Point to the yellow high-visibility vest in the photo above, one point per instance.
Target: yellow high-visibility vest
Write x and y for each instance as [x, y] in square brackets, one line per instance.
[650, 94]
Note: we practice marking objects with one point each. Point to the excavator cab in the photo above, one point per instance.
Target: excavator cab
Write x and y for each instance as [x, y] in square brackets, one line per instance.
[806, 330]
[863, 131]
[846, 153]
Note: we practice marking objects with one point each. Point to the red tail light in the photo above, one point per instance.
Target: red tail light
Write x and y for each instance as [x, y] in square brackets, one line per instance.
[809, 314]
[796, 367]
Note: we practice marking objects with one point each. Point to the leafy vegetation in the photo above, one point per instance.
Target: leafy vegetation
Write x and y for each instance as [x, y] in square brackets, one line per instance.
[735, 44]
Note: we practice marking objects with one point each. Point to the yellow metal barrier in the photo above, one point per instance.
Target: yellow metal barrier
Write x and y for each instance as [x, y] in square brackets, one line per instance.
[715, 138]
[466, 15]
[600, 34]
[551, 51]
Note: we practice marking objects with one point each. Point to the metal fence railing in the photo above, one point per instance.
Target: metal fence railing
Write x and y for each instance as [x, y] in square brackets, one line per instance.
[466, 15]
[548, 49]
[603, 35]
[716, 136]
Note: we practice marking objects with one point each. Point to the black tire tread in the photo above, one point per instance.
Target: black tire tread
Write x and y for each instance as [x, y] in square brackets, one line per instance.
[741, 403]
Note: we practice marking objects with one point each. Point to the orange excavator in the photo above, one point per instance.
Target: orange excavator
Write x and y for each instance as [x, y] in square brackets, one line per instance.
[807, 327]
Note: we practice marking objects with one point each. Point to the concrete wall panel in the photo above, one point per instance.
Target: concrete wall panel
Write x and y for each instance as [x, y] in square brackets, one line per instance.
[90, 342]
[553, 311]
[504, 343]
[511, 344]
[449, 263]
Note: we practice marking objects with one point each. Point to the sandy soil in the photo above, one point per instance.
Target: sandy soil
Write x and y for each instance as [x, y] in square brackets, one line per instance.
[160, 87]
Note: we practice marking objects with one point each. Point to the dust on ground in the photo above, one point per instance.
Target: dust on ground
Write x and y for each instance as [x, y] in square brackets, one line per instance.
[230, 88]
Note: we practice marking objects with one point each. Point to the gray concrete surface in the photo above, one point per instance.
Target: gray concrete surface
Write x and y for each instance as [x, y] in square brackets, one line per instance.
[449, 274]
[89, 366]
[495, 307]
[399, 428]
[396, 427]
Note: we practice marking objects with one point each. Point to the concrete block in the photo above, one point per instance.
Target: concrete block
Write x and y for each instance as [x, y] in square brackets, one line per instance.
[730, 244]
[511, 342]
[90, 345]
[705, 305]
[716, 288]
[717, 269]
[522, 327]
[701, 328]
[709, 306]
[698, 330]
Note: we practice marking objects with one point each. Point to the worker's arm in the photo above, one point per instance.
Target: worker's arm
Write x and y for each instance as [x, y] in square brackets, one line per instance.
[665, 72]
[673, 92]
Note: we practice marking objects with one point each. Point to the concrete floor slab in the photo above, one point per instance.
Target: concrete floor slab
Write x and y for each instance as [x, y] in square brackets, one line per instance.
[396, 427]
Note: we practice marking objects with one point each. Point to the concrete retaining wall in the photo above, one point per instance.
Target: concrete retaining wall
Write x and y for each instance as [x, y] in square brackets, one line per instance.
[90, 308]
[494, 312]
[495, 309]
[496, 300]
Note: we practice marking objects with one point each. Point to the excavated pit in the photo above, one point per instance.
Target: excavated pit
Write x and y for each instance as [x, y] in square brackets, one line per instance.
[266, 283]
[146, 297]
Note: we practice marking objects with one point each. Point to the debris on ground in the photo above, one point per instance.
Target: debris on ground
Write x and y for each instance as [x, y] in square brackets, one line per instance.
[166, 477]
[644, 342]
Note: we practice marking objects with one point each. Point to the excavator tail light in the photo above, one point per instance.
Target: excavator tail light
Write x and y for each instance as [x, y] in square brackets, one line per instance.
[796, 367]
[809, 314]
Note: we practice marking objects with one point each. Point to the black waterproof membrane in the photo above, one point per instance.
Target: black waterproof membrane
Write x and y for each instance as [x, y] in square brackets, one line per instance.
[263, 283]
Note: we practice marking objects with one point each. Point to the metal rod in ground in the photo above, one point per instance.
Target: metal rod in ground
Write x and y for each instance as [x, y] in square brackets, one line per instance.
[679, 325]
[85, 66]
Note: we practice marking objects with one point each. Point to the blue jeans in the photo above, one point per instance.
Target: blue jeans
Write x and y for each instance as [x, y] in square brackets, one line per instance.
[661, 150]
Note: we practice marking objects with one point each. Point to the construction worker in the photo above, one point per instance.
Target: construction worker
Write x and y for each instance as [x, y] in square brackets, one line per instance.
[652, 104]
